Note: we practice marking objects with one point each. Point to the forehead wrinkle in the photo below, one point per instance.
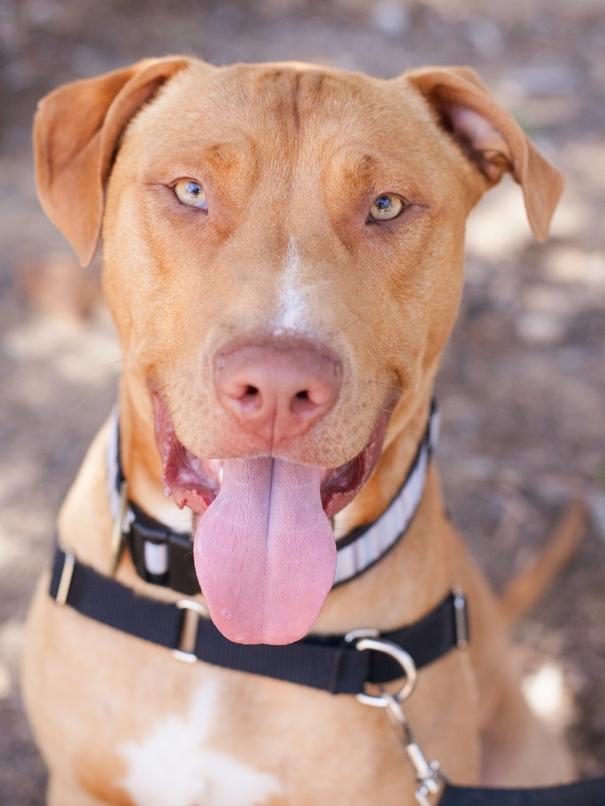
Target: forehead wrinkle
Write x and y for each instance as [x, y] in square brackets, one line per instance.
[288, 93]
[295, 89]
[276, 90]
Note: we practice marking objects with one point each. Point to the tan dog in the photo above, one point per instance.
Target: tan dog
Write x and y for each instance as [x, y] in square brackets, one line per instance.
[283, 259]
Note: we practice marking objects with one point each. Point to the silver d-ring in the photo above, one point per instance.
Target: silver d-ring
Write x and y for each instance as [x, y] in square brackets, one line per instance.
[408, 668]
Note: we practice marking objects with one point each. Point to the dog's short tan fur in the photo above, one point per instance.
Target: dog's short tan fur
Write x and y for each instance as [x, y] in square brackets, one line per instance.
[290, 154]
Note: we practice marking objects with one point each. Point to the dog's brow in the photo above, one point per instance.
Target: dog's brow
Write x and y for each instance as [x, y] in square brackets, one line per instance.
[223, 156]
[359, 166]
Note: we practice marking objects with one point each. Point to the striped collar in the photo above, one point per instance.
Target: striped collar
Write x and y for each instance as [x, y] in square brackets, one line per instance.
[164, 557]
[365, 545]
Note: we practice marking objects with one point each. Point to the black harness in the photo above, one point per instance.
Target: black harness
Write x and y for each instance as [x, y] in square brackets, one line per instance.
[339, 664]
[328, 662]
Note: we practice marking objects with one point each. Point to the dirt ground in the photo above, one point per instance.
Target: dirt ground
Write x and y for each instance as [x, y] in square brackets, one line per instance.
[522, 390]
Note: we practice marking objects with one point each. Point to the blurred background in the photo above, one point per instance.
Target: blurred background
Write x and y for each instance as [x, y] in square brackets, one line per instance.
[522, 389]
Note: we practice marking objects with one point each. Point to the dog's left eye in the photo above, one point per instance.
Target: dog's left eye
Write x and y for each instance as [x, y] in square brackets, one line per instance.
[190, 193]
[386, 206]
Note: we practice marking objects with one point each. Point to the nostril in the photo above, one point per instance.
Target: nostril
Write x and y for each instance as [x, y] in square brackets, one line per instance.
[310, 401]
[247, 399]
[250, 392]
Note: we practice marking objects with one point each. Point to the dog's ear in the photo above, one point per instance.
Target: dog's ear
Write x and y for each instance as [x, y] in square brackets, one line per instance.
[76, 132]
[491, 138]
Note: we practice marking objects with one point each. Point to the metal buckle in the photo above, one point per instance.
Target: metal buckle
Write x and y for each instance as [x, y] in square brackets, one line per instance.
[117, 533]
[67, 573]
[193, 612]
[460, 618]
[365, 640]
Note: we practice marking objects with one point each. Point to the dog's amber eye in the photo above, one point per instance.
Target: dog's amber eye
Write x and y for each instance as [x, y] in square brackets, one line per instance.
[386, 206]
[190, 193]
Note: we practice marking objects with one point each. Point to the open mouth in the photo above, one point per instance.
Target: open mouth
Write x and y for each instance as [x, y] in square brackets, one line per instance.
[195, 482]
[264, 550]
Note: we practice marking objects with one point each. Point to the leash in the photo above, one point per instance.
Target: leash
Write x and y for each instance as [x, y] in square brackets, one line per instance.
[582, 793]
[434, 789]
[162, 556]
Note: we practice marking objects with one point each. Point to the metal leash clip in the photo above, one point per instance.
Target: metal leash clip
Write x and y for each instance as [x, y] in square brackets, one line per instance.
[429, 777]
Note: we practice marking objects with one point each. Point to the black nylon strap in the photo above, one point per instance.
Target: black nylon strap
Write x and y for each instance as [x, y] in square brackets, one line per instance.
[582, 793]
[325, 662]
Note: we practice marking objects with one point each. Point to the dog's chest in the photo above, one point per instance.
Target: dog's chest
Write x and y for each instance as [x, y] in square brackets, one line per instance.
[148, 730]
[176, 764]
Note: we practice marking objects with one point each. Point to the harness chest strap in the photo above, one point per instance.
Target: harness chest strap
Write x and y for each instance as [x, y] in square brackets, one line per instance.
[333, 663]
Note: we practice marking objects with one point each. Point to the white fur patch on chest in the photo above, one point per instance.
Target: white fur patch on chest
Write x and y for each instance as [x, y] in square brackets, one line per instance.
[174, 766]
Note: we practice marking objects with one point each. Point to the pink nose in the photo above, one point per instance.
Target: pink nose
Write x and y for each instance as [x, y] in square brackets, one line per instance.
[277, 390]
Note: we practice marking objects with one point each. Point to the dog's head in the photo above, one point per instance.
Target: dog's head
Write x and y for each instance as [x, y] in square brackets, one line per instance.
[283, 260]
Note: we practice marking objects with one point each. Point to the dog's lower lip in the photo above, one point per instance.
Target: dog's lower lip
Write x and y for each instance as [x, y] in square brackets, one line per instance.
[195, 482]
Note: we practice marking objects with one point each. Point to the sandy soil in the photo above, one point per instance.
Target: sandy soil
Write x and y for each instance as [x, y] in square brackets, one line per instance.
[522, 389]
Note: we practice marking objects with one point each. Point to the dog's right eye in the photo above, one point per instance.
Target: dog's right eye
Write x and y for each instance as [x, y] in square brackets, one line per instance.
[190, 193]
[386, 207]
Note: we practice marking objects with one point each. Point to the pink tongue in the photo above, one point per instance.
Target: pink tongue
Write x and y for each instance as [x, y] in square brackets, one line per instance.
[265, 554]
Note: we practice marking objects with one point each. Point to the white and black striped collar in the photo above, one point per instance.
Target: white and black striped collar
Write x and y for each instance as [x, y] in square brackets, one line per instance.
[366, 545]
[163, 556]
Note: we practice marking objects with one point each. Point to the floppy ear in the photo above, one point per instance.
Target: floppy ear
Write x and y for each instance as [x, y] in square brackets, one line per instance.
[491, 138]
[76, 133]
